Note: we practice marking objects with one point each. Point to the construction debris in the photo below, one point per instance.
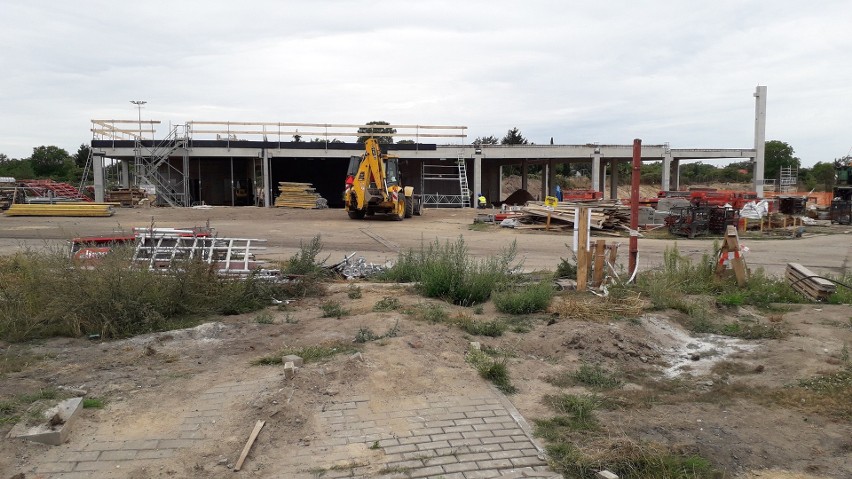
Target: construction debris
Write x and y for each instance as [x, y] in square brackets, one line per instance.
[299, 195]
[126, 197]
[606, 215]
[61, 209]
[352, 267]
[257, 427]
[56, 425]
[809, 284]
[52, 190]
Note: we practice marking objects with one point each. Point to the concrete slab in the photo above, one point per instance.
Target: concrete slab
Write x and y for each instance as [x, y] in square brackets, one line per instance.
[56, 426]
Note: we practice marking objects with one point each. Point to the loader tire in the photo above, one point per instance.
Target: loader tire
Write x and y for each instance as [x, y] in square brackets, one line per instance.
[409, 207]
[357, 214]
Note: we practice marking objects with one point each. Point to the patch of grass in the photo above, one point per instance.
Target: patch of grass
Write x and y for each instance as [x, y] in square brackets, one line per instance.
[621, 303]
[309, 354]
[525, 299]
[40, 295]
[519, 324]
[393, 470]
[493, 369]
[13, 360]
[365, 335]
[752, 330]
[304, 262]
[354, 291]
[43, 394]
[264, 317]
[478, 309]
[826, 395]
[433, 313]
[93, 403]
[333, 309]
[592, 376]
[493, 328]
[388, 303]
[447, 271]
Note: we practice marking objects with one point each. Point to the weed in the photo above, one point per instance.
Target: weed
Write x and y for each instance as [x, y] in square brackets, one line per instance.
[13, 360]
[365, 335]
[576, 413]
[387, 303]
[566, 269]
[354, 291]
[524, 300]
[93, 403]
[333, 309]
[491, 328]
[308, 354]
[432, 313]
[264, 317]
[41, 297]
[375, 445]
[304, 262]
[844, 353]
[289, 319]
[519, 324]
[752, 331]
[43, 394]
[478, 309]
[592, 376]
[447, 271]
[393, 470]
[492, 369]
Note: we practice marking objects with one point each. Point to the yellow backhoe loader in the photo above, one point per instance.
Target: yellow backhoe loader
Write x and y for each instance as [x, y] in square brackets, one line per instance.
[373, 186]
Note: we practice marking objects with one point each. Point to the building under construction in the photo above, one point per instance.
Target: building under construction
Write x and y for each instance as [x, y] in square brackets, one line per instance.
[241, 163]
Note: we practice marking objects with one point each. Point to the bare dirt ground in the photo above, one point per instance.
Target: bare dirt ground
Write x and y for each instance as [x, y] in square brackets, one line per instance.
[151, 383]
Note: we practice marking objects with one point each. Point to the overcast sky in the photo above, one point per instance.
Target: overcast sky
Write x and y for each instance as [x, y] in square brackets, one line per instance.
[677, 71]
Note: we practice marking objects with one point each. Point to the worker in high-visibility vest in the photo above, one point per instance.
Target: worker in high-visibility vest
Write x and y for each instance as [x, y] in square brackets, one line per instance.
[482, 201]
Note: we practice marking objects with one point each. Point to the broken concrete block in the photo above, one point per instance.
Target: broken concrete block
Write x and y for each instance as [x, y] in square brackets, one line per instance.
[56, 426]
[475, 345]
[289, 370]
[605, 475]
[292, 358]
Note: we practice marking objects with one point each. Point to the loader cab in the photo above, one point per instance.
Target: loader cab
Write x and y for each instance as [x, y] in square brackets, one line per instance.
[392, 170]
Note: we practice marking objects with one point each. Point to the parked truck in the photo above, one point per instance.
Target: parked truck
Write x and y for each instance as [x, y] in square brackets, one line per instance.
[374, 186]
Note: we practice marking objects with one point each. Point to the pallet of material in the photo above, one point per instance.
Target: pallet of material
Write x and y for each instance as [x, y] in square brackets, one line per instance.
[61, 209]
[299, 195]
[805, 281]
[605, 214]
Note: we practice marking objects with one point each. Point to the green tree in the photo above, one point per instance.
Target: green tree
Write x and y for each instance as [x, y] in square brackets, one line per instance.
[514, 137]
[323, 140]
[297, 138]
[824, 173]
[51, 161]
[82, 156]
[370, 132]
[486, 140]
[778, 155]
[405, 142]
[18, 169]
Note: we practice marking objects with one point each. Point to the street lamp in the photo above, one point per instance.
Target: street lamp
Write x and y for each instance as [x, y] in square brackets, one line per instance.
[139, 104]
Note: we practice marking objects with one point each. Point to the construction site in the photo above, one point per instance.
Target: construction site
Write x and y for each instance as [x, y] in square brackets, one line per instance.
[229, 300]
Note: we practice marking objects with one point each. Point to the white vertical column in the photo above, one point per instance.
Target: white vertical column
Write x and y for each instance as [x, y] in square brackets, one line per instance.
[596, 172]
[267, 191]
[613, 180]
[677, 174]
[125, 174]
[667, 171]
[759, 138]
[98, 173]
[477, 177]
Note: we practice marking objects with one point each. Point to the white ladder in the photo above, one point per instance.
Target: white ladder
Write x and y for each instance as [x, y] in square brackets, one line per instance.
[463, 186]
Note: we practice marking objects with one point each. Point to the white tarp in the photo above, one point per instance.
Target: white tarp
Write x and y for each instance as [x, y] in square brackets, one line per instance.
[754, 210]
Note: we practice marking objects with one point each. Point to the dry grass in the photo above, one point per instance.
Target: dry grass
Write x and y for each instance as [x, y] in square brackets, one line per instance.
[594, 309]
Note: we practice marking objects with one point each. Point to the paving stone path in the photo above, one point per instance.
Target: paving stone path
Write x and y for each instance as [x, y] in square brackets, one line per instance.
[476, 435]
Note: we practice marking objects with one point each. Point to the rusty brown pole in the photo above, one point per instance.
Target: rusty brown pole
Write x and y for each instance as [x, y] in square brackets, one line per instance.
[634, 206]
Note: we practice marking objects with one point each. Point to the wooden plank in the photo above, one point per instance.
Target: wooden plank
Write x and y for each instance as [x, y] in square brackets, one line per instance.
[600, 259]
[257, 427]
[582, 252]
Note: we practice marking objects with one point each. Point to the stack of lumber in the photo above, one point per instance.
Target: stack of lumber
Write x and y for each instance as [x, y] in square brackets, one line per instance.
[605, 215]
[61, 209]
[805, 281]
[299, 195]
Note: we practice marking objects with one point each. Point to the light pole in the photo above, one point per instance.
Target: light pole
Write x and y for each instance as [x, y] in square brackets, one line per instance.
[139, 104]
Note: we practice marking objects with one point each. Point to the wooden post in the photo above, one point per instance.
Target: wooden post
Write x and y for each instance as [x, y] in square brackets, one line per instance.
[582, 238]
[730, 254]
[547, 225]
[600, 259]
[613, 254]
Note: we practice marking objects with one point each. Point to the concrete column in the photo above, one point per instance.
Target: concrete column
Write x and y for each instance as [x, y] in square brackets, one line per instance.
[759, 138]
[125, 174]
[596, 172]
[667, 171]
[676, 183]
[477, 176]
[98, 174]
[267, 190]
[613, 180]
[525, 170]
[551, 177]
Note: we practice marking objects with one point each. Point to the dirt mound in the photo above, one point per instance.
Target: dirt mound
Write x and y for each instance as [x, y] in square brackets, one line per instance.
[519, 198]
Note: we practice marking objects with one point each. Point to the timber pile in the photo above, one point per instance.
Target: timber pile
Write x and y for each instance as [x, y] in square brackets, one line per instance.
[299, 195]
[804, 281]
[606, 215]
[60, 209]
